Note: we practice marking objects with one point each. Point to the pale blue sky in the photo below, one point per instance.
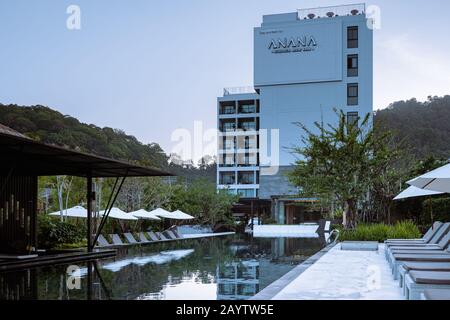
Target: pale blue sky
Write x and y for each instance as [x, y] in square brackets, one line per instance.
[150, 67]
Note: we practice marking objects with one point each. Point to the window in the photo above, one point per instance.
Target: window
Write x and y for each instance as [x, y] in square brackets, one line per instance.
[246, 177]
[352, 94]
[247, 108]
[246, 193]
[228, 143]
[352, 65]
[227, 108]
[228, 160]
[228, 126]
[227, 178]
[247, 125]
[352, 37]
[352, 118]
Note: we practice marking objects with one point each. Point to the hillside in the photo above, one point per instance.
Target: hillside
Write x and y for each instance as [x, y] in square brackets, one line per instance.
[49, 126]
[423, 126]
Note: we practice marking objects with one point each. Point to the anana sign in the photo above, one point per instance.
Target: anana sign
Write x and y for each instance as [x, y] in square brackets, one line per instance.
[299, 44]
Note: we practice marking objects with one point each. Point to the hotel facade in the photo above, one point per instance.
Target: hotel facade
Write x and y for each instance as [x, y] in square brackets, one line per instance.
[306, 64]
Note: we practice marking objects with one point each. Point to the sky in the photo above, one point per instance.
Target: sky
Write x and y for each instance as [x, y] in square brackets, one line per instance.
[150, 67]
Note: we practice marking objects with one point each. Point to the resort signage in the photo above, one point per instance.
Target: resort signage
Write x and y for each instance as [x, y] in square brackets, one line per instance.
[293, 44]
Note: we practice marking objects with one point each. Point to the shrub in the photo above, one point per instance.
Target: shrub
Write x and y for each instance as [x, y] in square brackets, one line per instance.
[381, 232]
[53, 233]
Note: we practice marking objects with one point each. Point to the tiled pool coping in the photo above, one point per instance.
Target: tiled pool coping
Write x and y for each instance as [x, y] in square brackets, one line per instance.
[273, 289]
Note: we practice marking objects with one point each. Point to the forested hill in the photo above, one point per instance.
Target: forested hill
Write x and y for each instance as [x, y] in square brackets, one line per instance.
[50, 126]
[423, 126]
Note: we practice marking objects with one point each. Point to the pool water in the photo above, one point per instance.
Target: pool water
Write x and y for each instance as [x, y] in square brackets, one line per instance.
[224, 268]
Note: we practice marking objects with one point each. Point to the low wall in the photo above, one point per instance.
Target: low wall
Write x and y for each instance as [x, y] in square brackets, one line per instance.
[286, 230]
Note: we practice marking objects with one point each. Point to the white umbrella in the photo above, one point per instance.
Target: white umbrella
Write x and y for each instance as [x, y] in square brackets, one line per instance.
[413, 192]
[182, 215]
[161, 213]
[143, 214]
[75, 212]
[116, 213]
[436, 180]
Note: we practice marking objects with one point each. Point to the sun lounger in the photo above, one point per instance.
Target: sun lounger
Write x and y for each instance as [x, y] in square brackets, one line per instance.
[130, 238]
[436, 294]
[153, 236]
[143, 238]
[161, 236]
[416, 282]
[102, 242]
[116, 240]
[169, 234]
[420, 257]
[440, 247]
[425, 239]
[406, 267]
[177, 234]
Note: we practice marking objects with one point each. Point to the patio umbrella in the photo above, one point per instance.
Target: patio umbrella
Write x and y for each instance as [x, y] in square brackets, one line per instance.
[75, 212]
[436, 180]
[116, 213]
[143, 214]
[161, 213]
[413, 192]
[180, 215]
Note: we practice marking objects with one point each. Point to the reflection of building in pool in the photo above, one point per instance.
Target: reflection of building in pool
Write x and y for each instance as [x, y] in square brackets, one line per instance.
[20, 285]
[238, 280]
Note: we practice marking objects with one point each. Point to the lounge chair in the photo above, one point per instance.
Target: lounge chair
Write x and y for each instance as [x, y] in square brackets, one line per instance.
[161, 236]
[169, 234]
[433, 235]
[406, 267]
[416, 282]
[143, 238]
[440, 247]
[153, 236]
[436, 238]
[419, 257]
[116, 240]
[425, 239]
[102, 242]
[436, 294]
[130, 238]
[177, 234]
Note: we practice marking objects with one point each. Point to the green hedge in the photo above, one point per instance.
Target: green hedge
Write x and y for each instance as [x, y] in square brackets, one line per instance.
[381, 232]
[55, 234]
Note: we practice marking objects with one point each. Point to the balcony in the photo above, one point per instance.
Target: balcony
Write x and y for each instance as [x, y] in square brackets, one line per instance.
[238, 90]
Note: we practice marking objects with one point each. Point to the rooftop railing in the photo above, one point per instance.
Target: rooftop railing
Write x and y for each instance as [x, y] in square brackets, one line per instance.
[333, 11]
[238, 90]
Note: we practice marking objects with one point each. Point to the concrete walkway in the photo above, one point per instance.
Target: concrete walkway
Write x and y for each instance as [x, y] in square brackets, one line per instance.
[344, 275]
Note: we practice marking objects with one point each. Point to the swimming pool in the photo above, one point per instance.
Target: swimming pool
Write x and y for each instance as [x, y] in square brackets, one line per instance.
[233, 267]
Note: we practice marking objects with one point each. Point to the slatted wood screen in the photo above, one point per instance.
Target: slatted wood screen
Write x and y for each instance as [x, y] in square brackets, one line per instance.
[18, 213]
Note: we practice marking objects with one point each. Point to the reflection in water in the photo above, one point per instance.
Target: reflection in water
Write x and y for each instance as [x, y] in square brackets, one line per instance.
[227, 268]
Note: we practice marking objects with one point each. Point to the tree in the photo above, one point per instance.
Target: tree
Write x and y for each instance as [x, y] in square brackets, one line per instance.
[339, 163]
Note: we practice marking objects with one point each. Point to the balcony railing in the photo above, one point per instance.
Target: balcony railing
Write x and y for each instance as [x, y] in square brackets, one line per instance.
[333, 11]
[238, 90]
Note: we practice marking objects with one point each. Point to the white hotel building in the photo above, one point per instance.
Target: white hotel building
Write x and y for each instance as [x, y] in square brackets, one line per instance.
[306, 63]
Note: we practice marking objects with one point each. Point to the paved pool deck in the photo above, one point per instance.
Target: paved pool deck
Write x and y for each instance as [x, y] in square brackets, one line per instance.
[206, 235]
[334, 274]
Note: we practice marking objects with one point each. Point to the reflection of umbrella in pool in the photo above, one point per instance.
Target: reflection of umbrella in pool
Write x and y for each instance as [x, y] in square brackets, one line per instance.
[161, 258]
